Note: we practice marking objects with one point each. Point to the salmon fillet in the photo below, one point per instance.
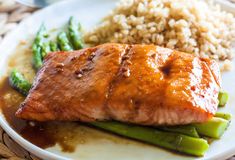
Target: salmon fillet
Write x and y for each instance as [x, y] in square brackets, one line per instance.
[141, 84]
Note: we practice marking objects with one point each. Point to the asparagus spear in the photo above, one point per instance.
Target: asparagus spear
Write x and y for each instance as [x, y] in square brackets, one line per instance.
[214, 128]
[37, 57]
[186, 130]
[63, 42]
[18, 82]
[175, 141]
[37, 47]
[45, 49]
[53, 46]
[74, 32]
[225, 116]
[223, 98]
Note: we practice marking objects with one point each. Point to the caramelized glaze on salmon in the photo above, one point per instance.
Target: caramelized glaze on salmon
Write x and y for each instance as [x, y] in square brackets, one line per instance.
[141, 84]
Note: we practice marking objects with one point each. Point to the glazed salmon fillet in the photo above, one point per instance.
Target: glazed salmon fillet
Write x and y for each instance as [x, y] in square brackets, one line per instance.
[141, 84]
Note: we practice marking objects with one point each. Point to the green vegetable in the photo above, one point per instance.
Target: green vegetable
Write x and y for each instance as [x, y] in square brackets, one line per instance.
[37, 47]
[225, 116]
[175, 141]
[186, 130]
[191, 130]
[74, 32]
[37, 57]
[63, 42]
[45, 49]
[53, 46]
[223, 98]
[18, 82]
[214, 128]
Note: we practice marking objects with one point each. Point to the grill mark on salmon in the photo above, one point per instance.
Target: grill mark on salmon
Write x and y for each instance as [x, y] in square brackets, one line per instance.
[124, 56]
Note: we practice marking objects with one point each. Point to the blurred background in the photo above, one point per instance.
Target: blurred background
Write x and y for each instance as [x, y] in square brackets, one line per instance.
[14, 11]
[11, 13]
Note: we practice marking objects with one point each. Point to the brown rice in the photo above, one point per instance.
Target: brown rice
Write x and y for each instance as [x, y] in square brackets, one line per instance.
[192, 26]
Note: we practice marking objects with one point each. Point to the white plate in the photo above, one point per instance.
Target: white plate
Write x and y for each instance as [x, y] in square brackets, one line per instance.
[89, 13]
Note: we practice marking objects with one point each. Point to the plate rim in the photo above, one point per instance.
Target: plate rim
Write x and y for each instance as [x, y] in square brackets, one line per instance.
[42, 153]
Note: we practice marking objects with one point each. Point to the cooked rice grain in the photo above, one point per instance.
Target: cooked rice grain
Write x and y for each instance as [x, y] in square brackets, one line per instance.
[192, 26]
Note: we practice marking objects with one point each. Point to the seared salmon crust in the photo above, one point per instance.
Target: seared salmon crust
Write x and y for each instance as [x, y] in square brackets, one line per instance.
[141, 84]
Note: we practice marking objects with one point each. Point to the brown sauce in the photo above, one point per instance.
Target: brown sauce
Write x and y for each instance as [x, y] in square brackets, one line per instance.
[9, 103]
